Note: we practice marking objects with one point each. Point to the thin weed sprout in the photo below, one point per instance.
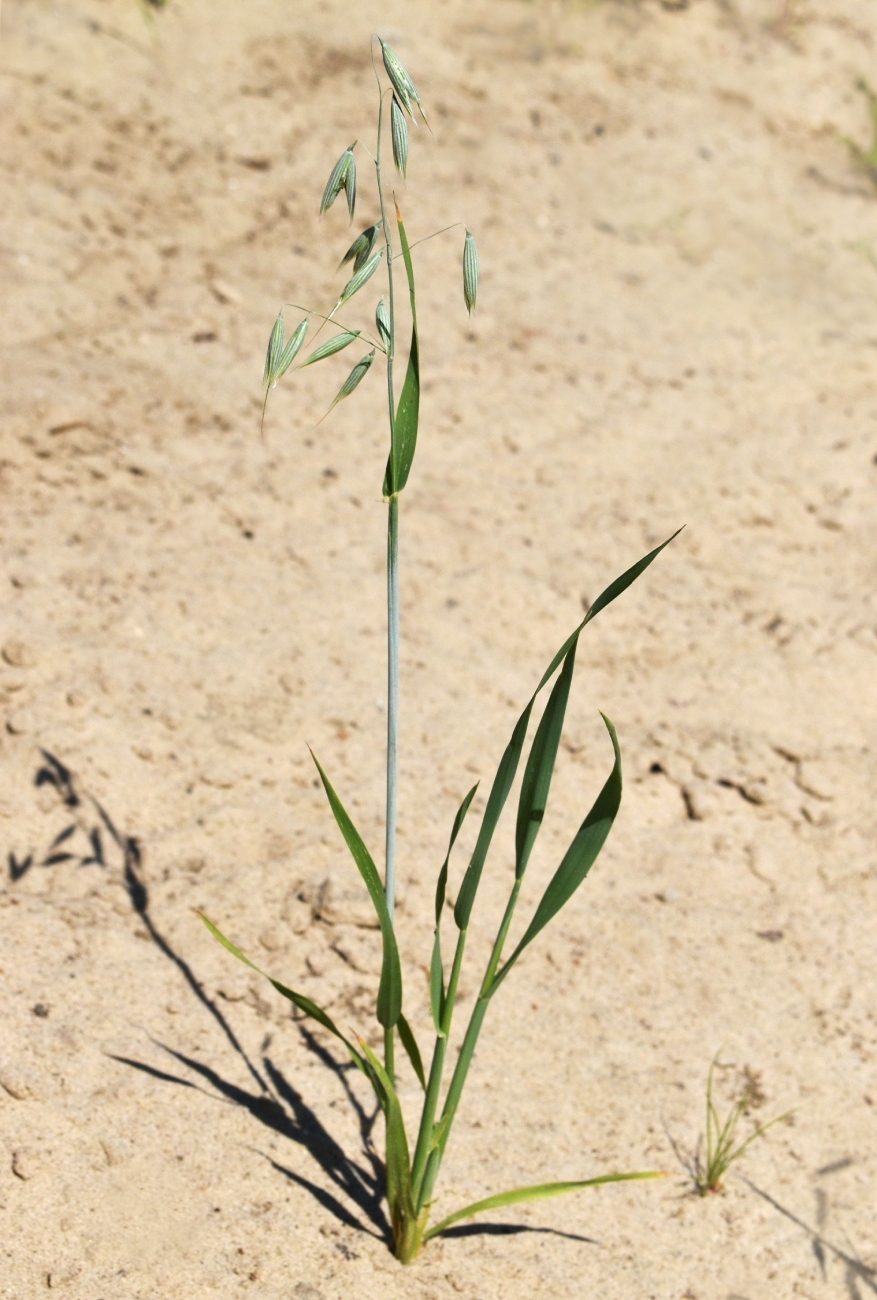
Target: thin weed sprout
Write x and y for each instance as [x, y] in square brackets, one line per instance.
[721, 1151]
[411, 1174]
[866, 159]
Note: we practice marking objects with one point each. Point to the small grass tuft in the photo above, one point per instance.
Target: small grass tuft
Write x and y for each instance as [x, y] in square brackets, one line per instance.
[721, 1151]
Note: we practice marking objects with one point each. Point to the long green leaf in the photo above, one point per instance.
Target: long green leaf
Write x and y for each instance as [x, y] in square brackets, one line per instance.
[408, 411]
[390, 990]
[540, 765]
[508, 765]
[399, 1195]
[538, 1192]
[630, 575]
[578, 859]
[499, 792]
[297, 999]
[409, 1042]
[436, 971]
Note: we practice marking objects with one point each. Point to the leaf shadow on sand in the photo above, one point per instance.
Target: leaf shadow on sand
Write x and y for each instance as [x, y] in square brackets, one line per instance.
[356, 1196]
[856, 1272]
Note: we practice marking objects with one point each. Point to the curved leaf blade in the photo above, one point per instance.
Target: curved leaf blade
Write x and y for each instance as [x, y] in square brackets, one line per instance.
[404, 439]
[508, 764]
[400, 1197]
[538, 1192]
[297, 999]
[540, 765]
[436, 971]
[409, 1042]
[578, 859]
[629, 576]
[499, 792]
[390, 990]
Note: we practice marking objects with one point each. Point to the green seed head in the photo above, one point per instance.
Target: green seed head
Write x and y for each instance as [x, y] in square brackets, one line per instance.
[292, 349]
[399, 131]
[470, 273]
[275, 348]
[342, 177]
[359, 279]
[356, 376]
[360, 250]
[331, 347]
[400, 81]
[382, 320]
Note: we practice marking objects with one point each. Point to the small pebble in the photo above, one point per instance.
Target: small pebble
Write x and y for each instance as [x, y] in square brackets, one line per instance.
[25, 1163]
[18, 655]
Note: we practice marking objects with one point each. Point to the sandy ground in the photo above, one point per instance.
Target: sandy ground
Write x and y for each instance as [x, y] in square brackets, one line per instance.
[677, 324]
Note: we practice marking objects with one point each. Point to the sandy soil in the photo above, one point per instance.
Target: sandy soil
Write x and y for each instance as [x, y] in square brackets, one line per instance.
[677, 324]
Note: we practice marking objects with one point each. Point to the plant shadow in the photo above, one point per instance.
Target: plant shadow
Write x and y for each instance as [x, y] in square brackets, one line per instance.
[356, 1196]
[856, 1272]
[272, 1100]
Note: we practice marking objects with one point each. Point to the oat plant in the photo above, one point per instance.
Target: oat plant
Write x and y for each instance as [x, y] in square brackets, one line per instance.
[722, 1147]
[413, 1157]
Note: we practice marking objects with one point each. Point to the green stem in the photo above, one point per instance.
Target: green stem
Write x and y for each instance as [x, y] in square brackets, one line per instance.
[433, 1087]
[392, 695]
[392, 586]
[464, 1060]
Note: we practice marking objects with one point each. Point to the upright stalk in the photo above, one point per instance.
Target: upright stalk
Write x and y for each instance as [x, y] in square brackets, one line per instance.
[392, 590]
[424, 1145]
[458, 1079]
[392, 694]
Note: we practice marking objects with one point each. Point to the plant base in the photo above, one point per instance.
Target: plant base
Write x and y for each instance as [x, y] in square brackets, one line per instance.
[408, 1237]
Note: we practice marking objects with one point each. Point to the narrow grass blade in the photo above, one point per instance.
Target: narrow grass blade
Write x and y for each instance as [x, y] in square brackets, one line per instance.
[390, 991]
[499, 792]
[540, 766]
[297, 999]
[292, 349]
[275, 348]
[409, 1042]
[759, 1132]
[399, 1194]
[630, 575]
[359, 278]
[438, 1133]
[508, 766]
[356, 376]
[436, 971]
[331, 346]
[539, 1192]
[408, 411]
[578, 860]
